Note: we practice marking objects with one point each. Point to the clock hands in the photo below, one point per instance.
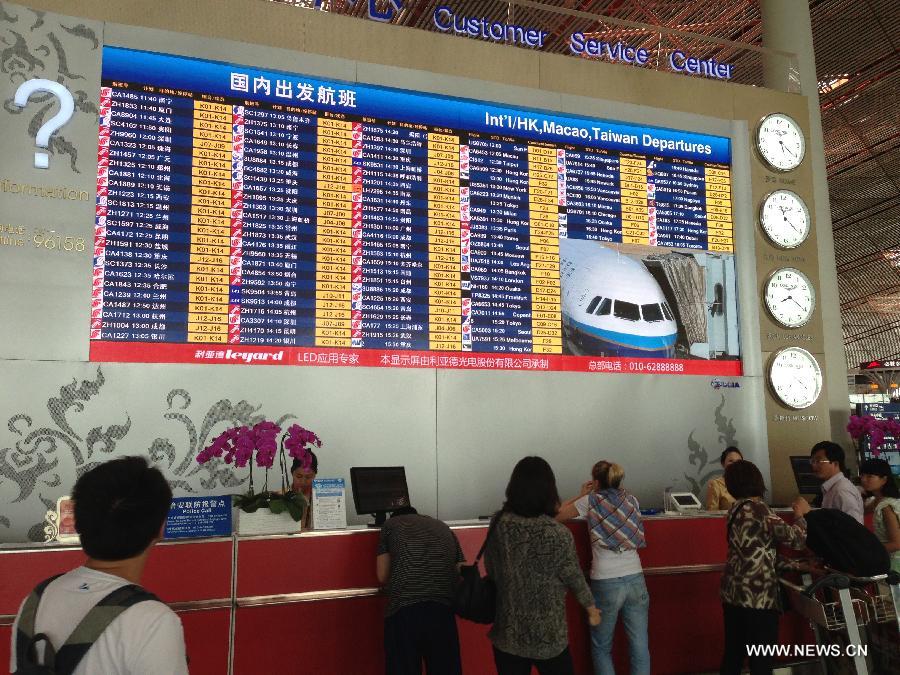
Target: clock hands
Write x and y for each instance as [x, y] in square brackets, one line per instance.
[786, 148]
[801, 383]
[790, 385]
[792, 299]
[793, 227]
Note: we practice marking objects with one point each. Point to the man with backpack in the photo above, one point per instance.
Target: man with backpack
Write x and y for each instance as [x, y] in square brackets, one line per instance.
[96, 618]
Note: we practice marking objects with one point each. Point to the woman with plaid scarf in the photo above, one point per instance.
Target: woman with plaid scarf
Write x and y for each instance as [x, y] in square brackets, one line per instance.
[617, 578]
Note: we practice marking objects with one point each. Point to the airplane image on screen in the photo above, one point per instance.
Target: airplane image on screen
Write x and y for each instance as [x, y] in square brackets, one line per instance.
[611, 304]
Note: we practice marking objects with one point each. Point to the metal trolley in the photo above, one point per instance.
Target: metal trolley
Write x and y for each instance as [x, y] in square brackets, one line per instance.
[853, 611]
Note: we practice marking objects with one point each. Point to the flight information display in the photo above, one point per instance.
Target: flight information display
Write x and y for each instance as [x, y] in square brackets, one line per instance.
[253, 216]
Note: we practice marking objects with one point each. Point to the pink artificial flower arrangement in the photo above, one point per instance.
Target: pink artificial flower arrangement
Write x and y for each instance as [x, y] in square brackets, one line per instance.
[238, 446]
[876, 429]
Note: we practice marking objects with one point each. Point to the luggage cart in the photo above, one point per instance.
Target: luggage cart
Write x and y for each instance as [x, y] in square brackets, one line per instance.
[882, 597]
[839, 605]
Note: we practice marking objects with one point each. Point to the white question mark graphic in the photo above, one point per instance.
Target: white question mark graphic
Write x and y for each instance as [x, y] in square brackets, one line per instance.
[66, 109]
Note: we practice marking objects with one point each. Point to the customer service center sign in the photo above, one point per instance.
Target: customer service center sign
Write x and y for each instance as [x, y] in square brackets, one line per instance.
[448, 20]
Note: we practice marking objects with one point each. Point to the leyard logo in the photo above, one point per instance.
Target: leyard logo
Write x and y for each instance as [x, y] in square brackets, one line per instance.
[237, 355]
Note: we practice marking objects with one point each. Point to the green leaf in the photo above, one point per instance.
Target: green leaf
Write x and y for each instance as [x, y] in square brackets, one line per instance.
[295, 511]
[277, 505]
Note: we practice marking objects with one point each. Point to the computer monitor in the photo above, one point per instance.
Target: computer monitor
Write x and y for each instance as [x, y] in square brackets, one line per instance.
[379, 489]
[807, 483]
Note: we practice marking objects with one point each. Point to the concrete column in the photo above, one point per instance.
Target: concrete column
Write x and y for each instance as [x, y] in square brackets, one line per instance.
[787, 28]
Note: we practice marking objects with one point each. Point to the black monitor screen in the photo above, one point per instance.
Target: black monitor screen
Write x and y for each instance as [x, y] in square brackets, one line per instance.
[807, 483]
[379, 488]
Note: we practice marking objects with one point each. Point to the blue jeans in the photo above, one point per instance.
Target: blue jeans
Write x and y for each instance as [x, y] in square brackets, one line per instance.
[629, 596]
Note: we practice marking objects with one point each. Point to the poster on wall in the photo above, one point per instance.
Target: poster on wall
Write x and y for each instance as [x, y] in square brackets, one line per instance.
[254, 217]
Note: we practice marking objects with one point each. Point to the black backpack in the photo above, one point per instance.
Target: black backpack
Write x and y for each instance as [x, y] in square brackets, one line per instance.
[845, 544]
[64, 660]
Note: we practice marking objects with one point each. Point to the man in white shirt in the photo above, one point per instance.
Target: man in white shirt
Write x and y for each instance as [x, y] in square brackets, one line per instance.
[120, 511]
[838, 492]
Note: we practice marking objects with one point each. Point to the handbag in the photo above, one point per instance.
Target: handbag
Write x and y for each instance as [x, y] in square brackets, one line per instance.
[475, 597]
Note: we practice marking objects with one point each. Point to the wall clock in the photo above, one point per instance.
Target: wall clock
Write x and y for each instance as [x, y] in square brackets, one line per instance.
[795, 377]
[790, 297]
[780, 142]
[784, 219]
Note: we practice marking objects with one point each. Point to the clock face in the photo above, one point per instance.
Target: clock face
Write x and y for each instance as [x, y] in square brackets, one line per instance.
[780, 142]
[795, 377]
[790, 297]
[784, 218]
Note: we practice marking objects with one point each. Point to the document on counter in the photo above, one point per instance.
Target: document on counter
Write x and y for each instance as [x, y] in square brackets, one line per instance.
[329, 504]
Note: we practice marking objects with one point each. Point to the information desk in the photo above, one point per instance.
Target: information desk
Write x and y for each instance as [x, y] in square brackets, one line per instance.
[311, 603]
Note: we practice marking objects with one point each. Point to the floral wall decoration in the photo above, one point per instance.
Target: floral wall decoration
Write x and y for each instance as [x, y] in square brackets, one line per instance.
[708, 467]
[43, 453]
[32, 48]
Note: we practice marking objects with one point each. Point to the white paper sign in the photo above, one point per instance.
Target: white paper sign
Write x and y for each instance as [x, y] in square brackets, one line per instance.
[329, 504]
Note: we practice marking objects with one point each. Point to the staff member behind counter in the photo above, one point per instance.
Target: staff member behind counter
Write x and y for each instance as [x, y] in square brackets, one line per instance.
[717, 496]
[302, 480]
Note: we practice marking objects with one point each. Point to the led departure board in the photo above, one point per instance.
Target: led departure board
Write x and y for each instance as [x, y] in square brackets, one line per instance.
[250, 216]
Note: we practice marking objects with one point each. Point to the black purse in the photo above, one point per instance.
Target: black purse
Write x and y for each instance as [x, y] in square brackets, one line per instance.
[475, 597]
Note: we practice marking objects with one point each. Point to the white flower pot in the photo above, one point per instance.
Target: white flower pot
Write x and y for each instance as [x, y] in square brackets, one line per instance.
[263, 521]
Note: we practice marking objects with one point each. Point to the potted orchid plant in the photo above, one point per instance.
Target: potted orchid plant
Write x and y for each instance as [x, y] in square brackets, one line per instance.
[260, 444]
[876, 430]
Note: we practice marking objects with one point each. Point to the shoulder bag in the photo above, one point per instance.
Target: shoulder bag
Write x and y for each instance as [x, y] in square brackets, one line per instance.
[475, 597]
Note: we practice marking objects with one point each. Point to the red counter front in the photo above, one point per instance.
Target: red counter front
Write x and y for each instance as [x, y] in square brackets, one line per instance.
[316, 597]
[194, 577]
[310, 603]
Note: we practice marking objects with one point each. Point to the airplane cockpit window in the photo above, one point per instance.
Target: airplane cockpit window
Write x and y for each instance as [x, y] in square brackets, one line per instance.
[667, 311]
[593, 305]
[626, 310]
[652, 312]
[604, 308]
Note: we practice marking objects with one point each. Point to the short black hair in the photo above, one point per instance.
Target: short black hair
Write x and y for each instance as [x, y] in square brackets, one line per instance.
[879, 467]
[531, 491]
[744, 480]
[833, 452]
[727, 451]
[296, 464]
[404, 511]
[120, 507]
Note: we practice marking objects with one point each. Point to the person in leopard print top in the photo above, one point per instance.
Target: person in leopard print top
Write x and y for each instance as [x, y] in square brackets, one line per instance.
[532, 559]
[750, 590]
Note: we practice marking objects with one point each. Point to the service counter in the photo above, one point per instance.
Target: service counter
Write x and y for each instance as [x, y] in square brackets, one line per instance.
[310, 603]
[193, 576]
